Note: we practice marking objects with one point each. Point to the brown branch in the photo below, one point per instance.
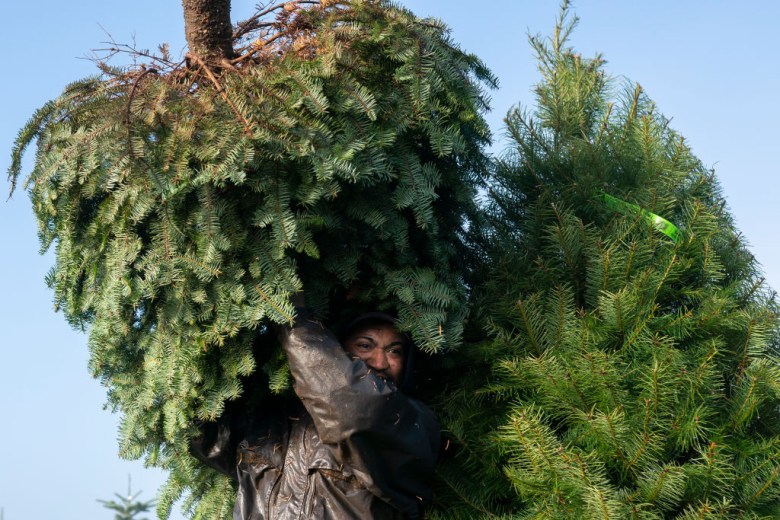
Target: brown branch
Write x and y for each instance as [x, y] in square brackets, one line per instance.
[251, 24]
[130, 97]
[257, 48]
[123, 48]
[210, 75]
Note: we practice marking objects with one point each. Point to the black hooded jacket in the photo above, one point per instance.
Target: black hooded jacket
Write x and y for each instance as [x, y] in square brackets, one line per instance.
[358, 448]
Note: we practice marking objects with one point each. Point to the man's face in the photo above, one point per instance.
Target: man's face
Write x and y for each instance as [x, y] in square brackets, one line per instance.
[381, 347]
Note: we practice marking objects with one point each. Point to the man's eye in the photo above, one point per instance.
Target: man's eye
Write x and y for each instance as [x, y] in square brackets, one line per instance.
[396, 352]
[363, 346]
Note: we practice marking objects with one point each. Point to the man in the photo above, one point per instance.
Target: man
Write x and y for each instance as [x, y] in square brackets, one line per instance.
[357, 448]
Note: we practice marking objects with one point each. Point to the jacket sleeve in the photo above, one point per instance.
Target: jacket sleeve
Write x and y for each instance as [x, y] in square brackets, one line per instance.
[389, 440]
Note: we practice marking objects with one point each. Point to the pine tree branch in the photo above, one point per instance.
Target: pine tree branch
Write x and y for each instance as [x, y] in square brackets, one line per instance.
[218, 86]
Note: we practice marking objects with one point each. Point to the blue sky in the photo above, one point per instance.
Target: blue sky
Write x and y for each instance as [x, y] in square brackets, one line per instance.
[712, 66]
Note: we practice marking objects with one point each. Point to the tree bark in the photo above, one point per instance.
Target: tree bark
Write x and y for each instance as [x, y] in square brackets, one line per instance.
[208, 29]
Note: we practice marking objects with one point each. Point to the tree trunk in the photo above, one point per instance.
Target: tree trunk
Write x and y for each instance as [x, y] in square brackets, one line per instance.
[208, 29]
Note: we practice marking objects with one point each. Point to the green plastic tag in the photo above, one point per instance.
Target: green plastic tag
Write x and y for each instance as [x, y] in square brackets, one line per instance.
[658, 222]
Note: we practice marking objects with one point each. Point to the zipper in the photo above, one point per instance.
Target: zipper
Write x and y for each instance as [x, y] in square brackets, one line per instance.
[307, 452]
[274, 492]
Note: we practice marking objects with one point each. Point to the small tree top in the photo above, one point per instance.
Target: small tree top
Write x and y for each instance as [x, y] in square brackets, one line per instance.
[128, 506]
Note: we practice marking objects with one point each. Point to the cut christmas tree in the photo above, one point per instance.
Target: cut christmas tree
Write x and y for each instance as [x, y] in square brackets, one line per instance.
[331, 147]
[631, 367]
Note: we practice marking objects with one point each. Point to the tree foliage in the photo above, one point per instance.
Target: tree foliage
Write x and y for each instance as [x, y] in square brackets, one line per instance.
[626, 374]
[612, 368]
[128, 506]
[339, 153]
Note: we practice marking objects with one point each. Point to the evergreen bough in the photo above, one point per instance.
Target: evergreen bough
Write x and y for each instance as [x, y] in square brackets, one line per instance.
[339, 153]
[627, 373]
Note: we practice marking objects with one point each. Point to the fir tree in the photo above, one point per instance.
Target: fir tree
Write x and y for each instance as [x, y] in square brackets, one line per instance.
[128, 506]
[337, 148]
[632, 361]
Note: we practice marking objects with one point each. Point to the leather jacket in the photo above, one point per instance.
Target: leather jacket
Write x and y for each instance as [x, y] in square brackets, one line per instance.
[358, 448]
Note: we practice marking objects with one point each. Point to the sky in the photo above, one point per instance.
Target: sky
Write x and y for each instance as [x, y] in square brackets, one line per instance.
[711, 66]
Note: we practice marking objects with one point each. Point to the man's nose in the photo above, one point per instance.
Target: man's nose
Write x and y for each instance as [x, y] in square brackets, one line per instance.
[378, 360]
